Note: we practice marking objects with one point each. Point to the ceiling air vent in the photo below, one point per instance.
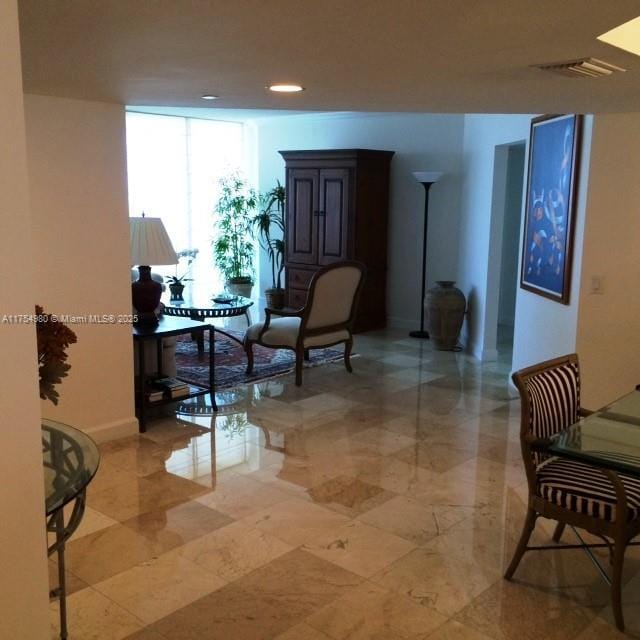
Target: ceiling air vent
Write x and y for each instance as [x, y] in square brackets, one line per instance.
[585, 68]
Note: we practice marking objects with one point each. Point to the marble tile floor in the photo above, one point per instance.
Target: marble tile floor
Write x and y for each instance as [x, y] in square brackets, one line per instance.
[383, 504]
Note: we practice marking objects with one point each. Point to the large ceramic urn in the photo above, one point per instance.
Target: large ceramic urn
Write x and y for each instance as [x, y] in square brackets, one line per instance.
[445, 305]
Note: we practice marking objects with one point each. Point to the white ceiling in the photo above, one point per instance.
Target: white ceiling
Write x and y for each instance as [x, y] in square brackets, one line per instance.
[230, 115]
[351, 55]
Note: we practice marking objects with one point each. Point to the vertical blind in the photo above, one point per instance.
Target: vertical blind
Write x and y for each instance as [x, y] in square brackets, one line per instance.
[174, 165]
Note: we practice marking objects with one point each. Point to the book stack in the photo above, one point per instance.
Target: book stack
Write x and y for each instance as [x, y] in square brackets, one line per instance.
[167, 388]
[153, 395]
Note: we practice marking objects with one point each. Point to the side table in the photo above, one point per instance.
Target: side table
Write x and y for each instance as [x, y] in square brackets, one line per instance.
[198, 306]
[169, 326]
[70, 459]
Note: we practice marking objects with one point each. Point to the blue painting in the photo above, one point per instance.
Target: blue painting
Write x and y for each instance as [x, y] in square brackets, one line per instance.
[549, 213]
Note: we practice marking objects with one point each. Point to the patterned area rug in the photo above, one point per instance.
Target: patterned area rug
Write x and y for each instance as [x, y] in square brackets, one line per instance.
[231, 361]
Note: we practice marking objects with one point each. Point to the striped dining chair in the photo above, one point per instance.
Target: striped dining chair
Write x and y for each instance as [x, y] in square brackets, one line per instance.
[602, 502]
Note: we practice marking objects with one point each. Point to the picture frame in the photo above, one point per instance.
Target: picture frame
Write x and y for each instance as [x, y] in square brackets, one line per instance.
[547, 243]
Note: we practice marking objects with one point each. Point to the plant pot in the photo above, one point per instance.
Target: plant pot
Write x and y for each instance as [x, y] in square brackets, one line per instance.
[274, 298]
[176, 291]
[240, 287]
[445, 305]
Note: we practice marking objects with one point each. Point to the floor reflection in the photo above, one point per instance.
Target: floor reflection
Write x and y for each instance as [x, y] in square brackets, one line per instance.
[379, 504]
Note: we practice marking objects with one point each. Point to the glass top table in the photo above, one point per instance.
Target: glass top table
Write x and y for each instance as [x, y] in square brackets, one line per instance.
[200, 304]
[608, 438]
[70, 459]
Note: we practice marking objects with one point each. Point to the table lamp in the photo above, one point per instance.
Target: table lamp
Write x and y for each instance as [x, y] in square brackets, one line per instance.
[426, 178]
[149, 245]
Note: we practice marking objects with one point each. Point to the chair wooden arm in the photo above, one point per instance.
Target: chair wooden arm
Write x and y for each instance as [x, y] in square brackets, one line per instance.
[296, 313]
[539, 445]
[281, 312]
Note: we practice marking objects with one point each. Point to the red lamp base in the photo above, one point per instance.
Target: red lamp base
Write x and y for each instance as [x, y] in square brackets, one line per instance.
[145, 295]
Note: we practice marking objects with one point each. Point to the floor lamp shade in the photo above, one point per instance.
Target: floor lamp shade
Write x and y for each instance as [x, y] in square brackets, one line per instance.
[426, 178]
[149, 245]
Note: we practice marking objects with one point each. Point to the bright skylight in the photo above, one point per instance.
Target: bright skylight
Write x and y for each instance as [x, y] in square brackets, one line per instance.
[626, 36]
[173, 166]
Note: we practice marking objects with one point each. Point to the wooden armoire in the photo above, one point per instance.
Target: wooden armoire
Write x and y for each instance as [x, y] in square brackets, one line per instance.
[337, 209]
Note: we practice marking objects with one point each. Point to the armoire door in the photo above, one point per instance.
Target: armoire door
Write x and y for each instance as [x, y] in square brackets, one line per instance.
[333, 215]
[302, 216]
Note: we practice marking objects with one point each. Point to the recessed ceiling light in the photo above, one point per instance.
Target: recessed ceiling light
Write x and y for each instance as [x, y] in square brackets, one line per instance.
[286, 88]
[626, 36]
[209, 96]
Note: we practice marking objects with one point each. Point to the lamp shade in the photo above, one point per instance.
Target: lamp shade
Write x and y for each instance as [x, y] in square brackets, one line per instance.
[150, 243]
[428, 176]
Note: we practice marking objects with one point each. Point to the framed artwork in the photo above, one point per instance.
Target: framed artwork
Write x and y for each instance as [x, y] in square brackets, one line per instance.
[547, 248]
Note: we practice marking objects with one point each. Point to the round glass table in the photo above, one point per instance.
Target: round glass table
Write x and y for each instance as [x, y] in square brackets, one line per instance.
[70, 459]
[198, 305]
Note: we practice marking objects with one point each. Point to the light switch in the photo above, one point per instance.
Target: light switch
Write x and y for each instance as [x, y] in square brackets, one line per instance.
[597, 285]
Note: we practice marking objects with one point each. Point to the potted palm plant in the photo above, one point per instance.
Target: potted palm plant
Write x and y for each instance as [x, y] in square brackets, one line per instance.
[268, 220]
[233, 247]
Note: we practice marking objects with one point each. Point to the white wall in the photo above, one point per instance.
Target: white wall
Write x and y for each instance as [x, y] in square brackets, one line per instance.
[602, 328]
[422, 142]
[511, 240]
[77, 172]
[608, 339]
[482, 134]
[24, 608]
[545, 328]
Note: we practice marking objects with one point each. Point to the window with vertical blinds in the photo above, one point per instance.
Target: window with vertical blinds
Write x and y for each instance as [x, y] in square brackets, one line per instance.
[174, 165]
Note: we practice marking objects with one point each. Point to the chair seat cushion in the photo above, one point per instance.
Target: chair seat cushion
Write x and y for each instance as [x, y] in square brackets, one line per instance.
[281, 331]
[284, 332]
[584, 489]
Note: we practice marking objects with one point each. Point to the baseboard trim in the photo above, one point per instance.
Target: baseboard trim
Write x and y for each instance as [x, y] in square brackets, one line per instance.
[113, 430]
[488, 355]
[397, 322]
[483, 355]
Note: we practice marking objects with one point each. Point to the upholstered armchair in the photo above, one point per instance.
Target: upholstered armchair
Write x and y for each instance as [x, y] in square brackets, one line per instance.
[325, 320]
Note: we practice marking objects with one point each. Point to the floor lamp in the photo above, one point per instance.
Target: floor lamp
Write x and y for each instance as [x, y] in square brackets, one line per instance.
[426, 178]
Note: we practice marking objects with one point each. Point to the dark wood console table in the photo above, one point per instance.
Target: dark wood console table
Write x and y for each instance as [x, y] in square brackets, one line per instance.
[169, 326]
